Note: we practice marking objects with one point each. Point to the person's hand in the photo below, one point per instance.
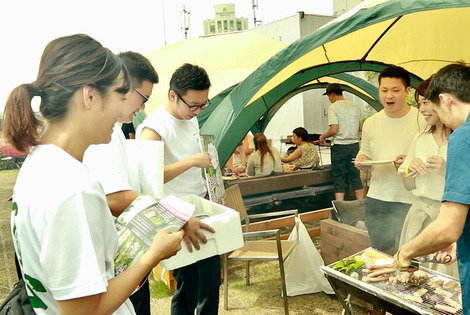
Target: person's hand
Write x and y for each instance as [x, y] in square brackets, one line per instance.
[402, 263]
[202, 160]
[417, 166]
[240, 170]
[361, 158]
[437, 164]
[321, 139]
[193, 233]
[447, 255]
[399, 160]
[164, 245]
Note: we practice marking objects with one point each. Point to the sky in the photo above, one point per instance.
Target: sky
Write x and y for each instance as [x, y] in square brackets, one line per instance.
[139, 25]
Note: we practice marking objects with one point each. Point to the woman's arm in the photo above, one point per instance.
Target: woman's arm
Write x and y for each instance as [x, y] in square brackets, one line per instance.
[409, 181]
[294, 156]
[164, 245]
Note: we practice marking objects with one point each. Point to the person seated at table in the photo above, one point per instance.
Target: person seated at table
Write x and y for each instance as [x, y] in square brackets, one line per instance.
[306, 155]
[265, 159]
[237, 162]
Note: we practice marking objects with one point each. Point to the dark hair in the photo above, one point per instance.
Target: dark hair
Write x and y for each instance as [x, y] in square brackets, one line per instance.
[67, 64]
[139, 67]
[189, 77]
[453, 79]
[421, 89]
[301, 133]
[261, 145]
[396, 72]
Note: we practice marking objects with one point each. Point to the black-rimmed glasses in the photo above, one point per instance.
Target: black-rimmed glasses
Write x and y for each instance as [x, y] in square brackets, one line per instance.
[194, 108]
[145, 98]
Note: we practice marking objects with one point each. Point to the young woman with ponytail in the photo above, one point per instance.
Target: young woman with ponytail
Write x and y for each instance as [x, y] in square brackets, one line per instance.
[63, 231]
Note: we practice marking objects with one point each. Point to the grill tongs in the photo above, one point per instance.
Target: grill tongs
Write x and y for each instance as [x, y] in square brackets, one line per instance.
[416, 262]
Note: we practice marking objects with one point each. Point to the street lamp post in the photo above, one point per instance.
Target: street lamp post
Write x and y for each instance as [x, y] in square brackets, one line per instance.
[255, 7]
[186, 20]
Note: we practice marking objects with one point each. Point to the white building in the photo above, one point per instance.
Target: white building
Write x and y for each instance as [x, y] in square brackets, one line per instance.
[342, 6]
[225, 20]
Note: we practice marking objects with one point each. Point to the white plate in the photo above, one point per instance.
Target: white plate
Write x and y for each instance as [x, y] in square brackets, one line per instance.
[375, 162]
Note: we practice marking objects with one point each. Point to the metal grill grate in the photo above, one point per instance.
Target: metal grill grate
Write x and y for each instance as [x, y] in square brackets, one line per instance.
[429, 296]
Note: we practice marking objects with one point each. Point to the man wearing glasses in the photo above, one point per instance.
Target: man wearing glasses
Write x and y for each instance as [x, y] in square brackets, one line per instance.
[175, 123]
[109, 163]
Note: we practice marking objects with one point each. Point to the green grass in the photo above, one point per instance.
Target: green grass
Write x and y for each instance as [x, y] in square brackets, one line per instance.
[7, 264]
[158, 289]
[6, 163]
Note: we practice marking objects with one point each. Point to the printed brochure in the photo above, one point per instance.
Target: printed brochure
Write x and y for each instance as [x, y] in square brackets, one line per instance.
[214, 180]
[141, 220]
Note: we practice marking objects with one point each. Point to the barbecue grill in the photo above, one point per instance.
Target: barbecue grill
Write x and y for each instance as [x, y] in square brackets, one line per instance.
[394, 298]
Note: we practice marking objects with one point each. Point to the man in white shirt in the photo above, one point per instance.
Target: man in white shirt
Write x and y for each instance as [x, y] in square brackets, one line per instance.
[345, 120]
[175, 123]
[387, 135]
[108, 162]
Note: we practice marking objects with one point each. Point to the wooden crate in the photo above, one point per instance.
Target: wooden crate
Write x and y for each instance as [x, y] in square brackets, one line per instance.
[161, 274]
[339, 240]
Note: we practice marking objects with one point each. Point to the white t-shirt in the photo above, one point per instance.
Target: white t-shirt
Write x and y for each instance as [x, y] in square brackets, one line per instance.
[384, 138]
[63, 231]
[347, 116]
[109, 164]
[431, 185]
[181, 140]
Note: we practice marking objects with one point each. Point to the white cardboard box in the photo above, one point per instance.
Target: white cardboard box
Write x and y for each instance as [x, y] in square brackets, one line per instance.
[228, 235]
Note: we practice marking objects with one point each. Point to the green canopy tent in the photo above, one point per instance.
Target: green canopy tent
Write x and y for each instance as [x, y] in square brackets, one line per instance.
[419, 35]
[228, 59]
[360, 87]
[349, 83]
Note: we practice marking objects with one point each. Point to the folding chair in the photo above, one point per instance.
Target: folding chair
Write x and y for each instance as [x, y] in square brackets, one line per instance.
[264, 249]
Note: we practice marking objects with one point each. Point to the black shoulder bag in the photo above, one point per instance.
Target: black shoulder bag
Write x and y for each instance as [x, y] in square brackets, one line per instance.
[17, 302]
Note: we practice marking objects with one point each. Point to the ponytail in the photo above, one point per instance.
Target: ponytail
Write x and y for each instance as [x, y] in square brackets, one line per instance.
[67, 64]
[20, 125]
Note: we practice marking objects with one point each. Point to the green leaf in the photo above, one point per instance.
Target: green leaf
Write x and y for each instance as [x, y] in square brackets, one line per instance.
[14, 208]
[35, 283]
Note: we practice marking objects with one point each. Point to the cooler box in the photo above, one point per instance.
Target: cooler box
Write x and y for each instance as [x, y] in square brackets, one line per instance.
[228, 235]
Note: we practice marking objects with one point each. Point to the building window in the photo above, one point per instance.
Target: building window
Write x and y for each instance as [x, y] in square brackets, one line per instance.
[212, 28]
[239, 25]
[219, 26]
[231, 26]
[225, 26]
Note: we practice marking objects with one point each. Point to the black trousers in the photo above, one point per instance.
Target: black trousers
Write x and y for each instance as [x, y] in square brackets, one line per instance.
[342, 169]
[141, 299]
[197, 288]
